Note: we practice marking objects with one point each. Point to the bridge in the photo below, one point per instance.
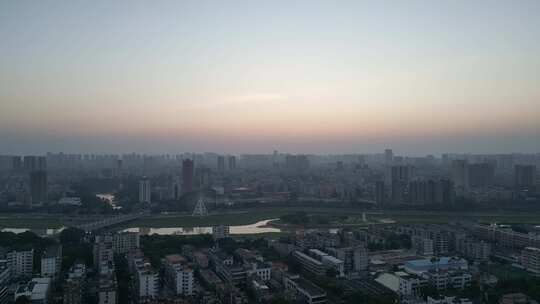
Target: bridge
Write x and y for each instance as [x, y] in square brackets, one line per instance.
[110, 221]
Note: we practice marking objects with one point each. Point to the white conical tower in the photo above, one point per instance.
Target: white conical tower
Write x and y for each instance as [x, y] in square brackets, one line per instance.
[200, 208]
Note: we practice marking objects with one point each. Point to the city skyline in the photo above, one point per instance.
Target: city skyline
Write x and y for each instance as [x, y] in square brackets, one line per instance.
[299, 77]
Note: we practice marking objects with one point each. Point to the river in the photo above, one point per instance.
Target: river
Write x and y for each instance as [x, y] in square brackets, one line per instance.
[256, 228]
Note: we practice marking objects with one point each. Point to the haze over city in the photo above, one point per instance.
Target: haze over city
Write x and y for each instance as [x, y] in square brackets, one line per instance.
[243, 76]
[269, 152]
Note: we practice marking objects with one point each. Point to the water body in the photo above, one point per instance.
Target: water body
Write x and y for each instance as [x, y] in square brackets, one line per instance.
[256, 228]
[259, 227]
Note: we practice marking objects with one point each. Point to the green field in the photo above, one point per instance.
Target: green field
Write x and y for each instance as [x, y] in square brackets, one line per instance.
[254, 215]
[354, 217]
[441, 218]
[232, 218]
[21, 221]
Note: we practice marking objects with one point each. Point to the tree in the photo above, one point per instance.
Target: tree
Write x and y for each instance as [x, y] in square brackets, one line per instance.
[331, 272]
[71, 236]
[430, 291]
[279, 300]
[361, 298]
[22, 300]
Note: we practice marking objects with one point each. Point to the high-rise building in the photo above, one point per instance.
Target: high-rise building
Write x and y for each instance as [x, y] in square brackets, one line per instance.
[401, 173]
[145, 191]
[17, 163]
[188, 169]
[460, 173]
[388, 156]
[524, 176]
[38, 186]
[232, 162]
[399, 178]
[481, 174]
[398, 192]
[221, 163]
[422, 192]
[447, 193]
[34, 163]
[297, 162]
[431, 191]
[119, 166]
[379, 193]
[174, 185]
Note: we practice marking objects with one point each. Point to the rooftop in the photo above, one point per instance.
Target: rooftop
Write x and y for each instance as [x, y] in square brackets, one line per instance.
[310, 288]
[429, 263]
[52, 251]
[307, 257]
[175, 259]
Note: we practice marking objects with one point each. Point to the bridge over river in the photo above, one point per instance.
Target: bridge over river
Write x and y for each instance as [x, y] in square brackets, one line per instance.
[105, 222]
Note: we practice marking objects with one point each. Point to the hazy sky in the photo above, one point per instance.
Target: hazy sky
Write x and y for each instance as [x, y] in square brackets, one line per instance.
[253, 76]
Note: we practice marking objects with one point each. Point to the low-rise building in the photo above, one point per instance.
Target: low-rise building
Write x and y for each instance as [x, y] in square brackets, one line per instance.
[310, 264]
[146, 279]
[451, 279]
[530, 259]
[179, 274]
[305, 290]
[51, 261]
[220, 232]
[209, 278]
[438, 263]
[515, 298]
[103, 250]
[402, 283]
[75, 284]
[70, 201]
[124, 242]
[21, 263]
[473, 248]
[448, 300]
[107, 285]
[201, 259]
[260, 289]
[422, 245]
[37, 290]
[5, 276]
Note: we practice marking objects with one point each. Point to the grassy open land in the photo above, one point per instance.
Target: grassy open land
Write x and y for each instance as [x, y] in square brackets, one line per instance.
[232, 218]
[253, 215]
[445, 217]
[353, 217]
[31, 222]
[507, 272]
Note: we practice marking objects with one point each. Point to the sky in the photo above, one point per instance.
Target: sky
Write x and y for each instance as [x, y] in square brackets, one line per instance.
[421, 77]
